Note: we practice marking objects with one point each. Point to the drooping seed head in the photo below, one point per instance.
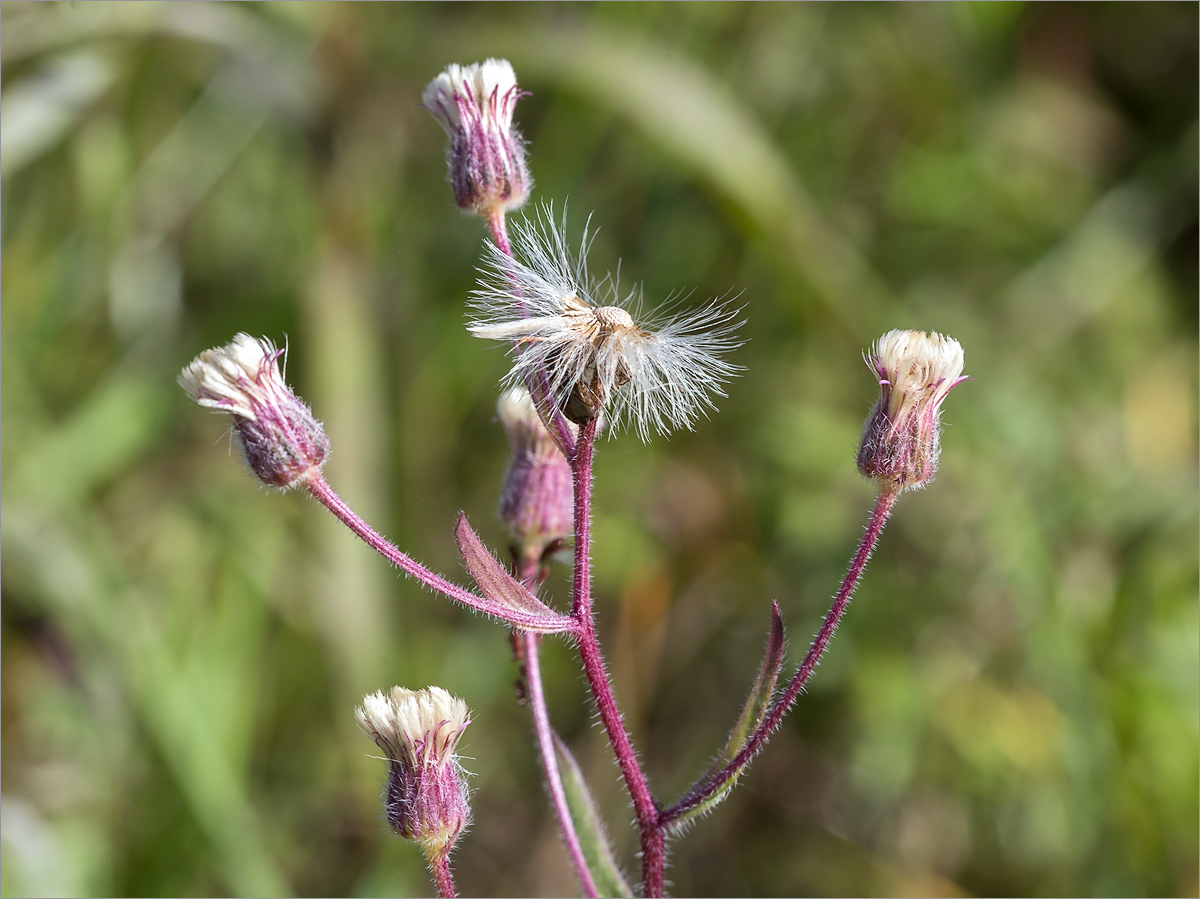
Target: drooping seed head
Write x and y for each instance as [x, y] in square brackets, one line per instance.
[595, 357]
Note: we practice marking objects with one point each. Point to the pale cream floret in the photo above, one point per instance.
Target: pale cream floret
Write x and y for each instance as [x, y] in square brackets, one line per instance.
[523, 426]
[920, 367]
[515, 408]
[481, 79]
[406, 720]
[520, 419]
[216, 379]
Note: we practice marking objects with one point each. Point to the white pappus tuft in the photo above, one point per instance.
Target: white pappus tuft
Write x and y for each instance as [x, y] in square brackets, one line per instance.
[655, 375]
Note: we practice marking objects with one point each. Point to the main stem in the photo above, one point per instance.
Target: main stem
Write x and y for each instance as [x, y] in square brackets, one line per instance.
[651, 832]
[879, 515]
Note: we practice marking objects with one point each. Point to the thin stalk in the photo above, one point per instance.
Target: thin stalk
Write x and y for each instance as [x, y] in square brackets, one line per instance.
[545, 741]
[879, 515]
[528, 646]
[439, 867]
[649, 828]
[498, 225]
[324, 494]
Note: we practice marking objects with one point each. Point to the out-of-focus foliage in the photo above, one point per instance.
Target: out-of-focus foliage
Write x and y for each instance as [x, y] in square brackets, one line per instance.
[1011, 705]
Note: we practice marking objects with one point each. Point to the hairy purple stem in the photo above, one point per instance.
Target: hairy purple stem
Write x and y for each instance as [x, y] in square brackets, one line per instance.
[649, 828]
[498, 225]
[879, 515]
[545, 741]
[324, 494]
[531, 575]
[439, 866]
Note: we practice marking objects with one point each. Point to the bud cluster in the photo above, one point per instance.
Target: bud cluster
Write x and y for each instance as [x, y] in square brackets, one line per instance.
[591, 357]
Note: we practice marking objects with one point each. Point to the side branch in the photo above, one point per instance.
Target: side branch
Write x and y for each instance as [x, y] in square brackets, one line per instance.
[879, 515]
[526, 619]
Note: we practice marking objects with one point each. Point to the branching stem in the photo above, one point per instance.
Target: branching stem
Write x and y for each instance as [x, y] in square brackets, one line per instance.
[773, 718]
[324, 494]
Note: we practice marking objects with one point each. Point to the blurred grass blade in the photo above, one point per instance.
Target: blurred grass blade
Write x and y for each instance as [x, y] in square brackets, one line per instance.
[696, 119]
[753, 712]
[104, 436]
[43, 108]
[592, 837]
[70, 562]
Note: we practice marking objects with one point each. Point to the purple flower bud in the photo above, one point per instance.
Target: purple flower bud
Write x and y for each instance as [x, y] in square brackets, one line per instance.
[902, 436]
[426, 800]
[283, 443]
[475, 104]
[536, 502]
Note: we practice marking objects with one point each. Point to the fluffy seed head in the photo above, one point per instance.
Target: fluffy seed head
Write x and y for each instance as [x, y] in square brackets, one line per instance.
[283, 443]
[653, 376]
[426, 800]
[901, 440]
[474, 104]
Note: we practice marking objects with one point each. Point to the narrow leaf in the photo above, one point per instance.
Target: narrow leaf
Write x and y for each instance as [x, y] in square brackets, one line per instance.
[593, 839]
[759, 699]
[753, 712]
[516, 604]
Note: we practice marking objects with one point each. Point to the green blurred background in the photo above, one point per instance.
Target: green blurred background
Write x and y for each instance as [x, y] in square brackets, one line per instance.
[1010, 707]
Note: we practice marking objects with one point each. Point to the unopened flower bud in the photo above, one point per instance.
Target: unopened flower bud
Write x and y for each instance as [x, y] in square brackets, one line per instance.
[426, 800]
[474, 104]
[902, 436]
[536, 502]
[283, 443]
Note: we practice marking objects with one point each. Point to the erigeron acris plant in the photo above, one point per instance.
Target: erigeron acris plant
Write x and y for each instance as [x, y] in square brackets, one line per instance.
[581, 361]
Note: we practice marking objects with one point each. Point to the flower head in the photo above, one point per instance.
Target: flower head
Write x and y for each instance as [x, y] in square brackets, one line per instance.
[536, 502]
[595, 357]
[474, 104]
[902, 436]
[426, 800]
[283, 442]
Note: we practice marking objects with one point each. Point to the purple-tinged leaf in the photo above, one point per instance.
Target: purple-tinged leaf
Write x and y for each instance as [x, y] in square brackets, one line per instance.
[505, 596]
